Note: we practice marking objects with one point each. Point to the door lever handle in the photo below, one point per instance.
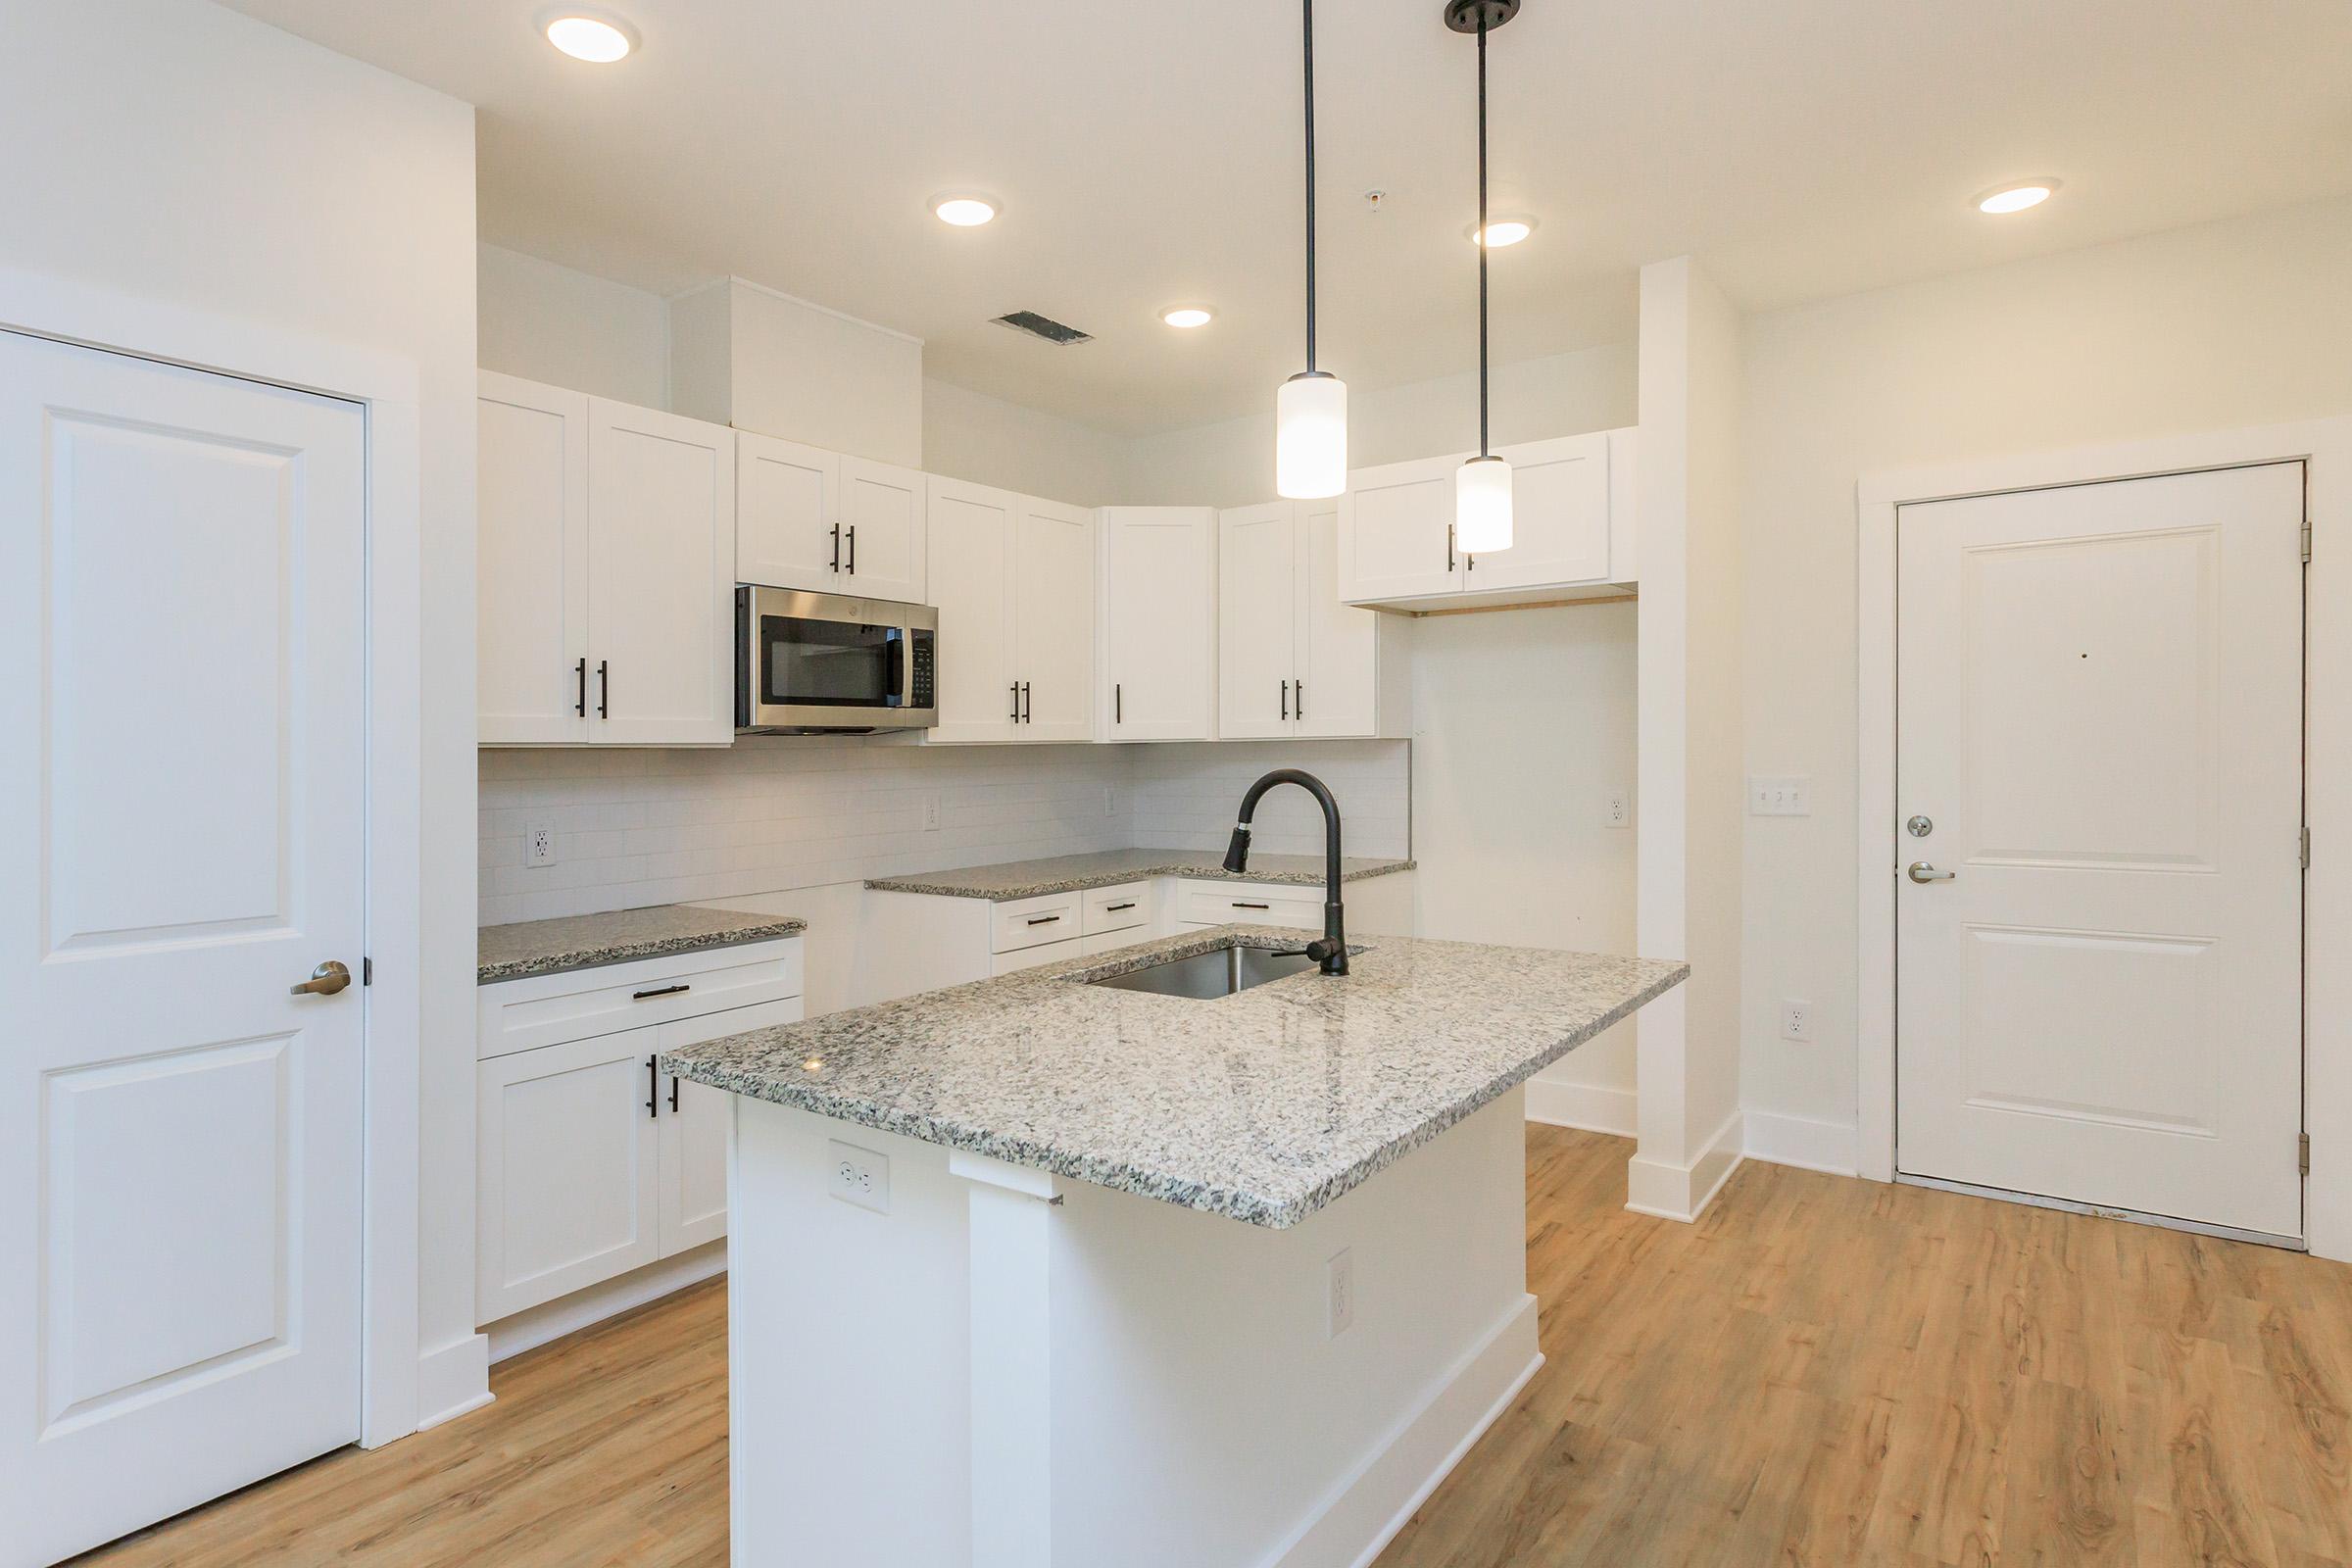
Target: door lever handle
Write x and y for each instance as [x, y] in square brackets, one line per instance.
[325, 981]
[1921, 871]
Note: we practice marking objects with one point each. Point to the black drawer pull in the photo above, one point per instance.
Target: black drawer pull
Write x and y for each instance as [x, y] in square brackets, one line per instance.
[1241, 904]
[1043, 920]
[1113, 909]
[659, 991]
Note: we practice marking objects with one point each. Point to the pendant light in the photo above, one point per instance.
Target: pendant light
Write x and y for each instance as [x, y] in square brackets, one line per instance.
[1482, 486]
[1311, 412]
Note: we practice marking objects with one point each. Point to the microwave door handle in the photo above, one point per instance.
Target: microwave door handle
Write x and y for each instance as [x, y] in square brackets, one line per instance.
[893, 663]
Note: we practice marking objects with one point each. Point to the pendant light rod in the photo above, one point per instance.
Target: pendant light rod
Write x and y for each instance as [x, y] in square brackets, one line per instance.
[1482, 234]
[1306, 10]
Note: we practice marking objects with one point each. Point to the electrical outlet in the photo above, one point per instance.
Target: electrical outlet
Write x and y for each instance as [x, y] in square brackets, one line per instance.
[930, 813]
[539, 844]
[858, 1176]
[1780, 797]
[1620, 810]
[1111, 800]
[1340, 1281]
[1796, 1019]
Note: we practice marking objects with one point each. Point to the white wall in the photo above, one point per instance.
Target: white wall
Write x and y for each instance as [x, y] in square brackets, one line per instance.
[1523, 727]
[748, 356]
[550, 323]
[2247, 322]
[969, 435]
[178, 152]
[1232, 463]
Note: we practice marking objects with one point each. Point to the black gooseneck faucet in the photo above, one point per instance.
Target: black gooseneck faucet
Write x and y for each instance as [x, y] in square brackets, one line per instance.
[1331, 950]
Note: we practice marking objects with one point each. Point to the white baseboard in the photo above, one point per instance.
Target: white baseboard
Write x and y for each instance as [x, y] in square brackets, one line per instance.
[1830, 1147]
[1586, 1106]
[1361, 1515]
[1683, 1192]
[453, 1380]
[533, 1326]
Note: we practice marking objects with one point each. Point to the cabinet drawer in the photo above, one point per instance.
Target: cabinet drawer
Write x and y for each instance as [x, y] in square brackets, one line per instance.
[1223, 902]
[1043, 952]
[1116, 909]
[1028, 923]
[549, 1009]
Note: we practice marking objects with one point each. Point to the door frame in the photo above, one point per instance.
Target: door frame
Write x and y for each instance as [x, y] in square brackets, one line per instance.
[2325, 448]
[386, 386]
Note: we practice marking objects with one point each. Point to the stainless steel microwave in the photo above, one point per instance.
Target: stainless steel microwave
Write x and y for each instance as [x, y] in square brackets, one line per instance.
[811, 664]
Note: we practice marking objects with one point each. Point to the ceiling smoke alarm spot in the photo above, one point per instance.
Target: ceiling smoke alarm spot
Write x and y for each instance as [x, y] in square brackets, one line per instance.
[1044, 326]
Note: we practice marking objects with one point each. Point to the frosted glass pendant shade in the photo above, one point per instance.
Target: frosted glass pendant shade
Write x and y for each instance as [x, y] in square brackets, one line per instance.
[1310, 436]
[1481, 506]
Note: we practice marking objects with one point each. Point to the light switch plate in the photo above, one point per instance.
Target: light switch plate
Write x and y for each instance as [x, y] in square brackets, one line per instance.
[1779, 796]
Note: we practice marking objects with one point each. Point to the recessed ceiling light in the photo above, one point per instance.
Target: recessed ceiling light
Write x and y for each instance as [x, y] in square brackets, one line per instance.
[1187, 315]
[1502, 232]
[964, 212]
[587, 36]
[2018, 197]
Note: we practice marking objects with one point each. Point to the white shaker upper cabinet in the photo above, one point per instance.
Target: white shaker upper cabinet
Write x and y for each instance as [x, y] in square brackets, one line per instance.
[533, 564]
[1054, 620]
[1158, 620]
[1258, 597]
[661, 577]
[970, 570]
[826, 522]
[1341, 681]
[1397, 532]
[1559, 516]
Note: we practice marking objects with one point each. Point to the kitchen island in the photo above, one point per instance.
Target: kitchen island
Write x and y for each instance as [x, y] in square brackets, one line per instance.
[1045, 1271]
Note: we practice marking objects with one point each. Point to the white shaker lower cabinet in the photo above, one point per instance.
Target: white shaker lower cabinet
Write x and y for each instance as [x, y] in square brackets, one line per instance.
[607, 560]
[1572, 525]
[1158, 621]
[1293, 658]
[589, 1163]
[1013, 580]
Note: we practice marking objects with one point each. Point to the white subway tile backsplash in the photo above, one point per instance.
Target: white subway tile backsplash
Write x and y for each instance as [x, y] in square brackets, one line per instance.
[640, 827]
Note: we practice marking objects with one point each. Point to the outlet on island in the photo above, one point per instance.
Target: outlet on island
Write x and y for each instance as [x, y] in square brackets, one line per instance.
[858, 1176]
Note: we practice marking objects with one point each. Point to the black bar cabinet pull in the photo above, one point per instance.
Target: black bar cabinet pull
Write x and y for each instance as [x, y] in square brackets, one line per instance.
[673, 1094]
[1240, 904]
[603, 688]
[1118, 708]
[836, 547]
[653, 1089]
[1113, 909]
[659, 991]
[853, 549]
[581, 707]
[1043, 920]
[1028, 708]
[1449, 547]
[1017, 702]
[1301, 704]
[1285, 701]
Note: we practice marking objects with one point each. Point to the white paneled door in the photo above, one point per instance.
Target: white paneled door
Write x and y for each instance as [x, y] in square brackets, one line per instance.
[2099, 909]
[181, 838]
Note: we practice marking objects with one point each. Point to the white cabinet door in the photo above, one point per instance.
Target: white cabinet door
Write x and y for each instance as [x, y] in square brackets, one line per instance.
[570, 1152]
[661, 578]
[1054, 620]
[970, 573]
[1397, 532]
[1338, 667]
[533, 556]
[1559, 516]
[693, 1203]
[787, 515]
[1258, 599]
[1158, 622]
[882, 532]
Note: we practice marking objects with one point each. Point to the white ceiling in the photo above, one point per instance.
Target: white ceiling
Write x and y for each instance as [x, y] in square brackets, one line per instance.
[1148, 153]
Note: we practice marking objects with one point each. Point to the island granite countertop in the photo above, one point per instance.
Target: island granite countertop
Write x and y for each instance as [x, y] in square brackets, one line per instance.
[621, 936]
[1103, 868]
[1264, 1105]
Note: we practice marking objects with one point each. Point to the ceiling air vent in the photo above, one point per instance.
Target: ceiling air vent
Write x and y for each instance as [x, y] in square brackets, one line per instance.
[1044, 326]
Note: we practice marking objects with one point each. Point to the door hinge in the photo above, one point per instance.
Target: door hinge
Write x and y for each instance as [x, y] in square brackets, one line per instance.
[2307, 539]
[2303, 1154]
[2305, 846]
[366, 971]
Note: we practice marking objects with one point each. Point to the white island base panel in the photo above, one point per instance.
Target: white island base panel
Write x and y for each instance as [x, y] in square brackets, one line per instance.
[1010, 1368]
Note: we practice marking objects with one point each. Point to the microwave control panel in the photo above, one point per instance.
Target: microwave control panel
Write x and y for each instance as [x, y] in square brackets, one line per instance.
[918, 682]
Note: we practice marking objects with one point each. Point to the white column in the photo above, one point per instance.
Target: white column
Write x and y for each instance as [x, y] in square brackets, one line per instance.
[1012, 1212]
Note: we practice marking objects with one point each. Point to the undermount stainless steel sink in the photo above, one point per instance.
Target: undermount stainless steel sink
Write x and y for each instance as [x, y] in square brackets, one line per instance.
[1218, 972]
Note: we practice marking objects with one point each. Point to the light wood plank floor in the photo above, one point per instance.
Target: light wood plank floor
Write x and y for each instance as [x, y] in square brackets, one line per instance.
[1821, 1371]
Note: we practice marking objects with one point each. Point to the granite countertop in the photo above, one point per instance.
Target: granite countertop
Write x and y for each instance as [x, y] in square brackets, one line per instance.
[586, 941]
[1263, 1106]
[1103, 868]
